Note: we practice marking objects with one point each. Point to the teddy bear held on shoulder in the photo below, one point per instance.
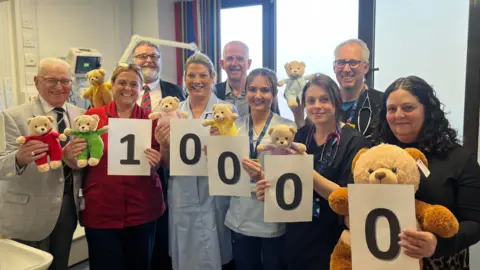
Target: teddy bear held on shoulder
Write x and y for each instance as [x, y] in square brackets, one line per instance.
[282, 141]
[100, 92]
[86, 128]
[224, 119]
[40, 128]
[389, 164]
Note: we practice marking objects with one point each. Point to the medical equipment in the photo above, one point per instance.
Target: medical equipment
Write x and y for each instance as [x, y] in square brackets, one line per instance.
[82, 60]
[126, 57]
[354, 109]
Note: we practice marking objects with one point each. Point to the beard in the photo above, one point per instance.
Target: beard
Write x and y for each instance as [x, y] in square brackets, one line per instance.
[150, 74]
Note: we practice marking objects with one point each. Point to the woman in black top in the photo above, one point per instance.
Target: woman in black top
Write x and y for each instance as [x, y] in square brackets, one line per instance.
[334, 145]
[411, 116]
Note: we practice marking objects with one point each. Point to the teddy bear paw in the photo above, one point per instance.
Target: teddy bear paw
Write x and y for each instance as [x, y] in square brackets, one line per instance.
[55, 164]
[93, 161]
[21, 140]
[440, 221]
[82, 163]
[43, 168]
[105, 128]
[62, 137]
[292, 104]
[261, 148]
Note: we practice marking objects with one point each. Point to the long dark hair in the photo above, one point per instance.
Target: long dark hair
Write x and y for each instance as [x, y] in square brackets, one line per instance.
[333, 91]
[436, 135]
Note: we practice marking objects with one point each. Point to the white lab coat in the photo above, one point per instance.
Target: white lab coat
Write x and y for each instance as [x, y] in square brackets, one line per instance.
[199, 240]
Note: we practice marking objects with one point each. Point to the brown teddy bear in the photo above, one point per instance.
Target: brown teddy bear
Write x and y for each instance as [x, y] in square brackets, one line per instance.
[282, 141]
[224, 119]
[100, 93]
[86, 128]
[168, 109]
[40, 129]
[389, 164]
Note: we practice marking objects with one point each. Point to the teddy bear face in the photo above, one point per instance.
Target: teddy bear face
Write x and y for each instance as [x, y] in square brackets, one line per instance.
[386, 164]
[282, 135]
[96, 76]
[86, 123]
[40, 125]
[169, 104]
[295, 69]
[222, 112]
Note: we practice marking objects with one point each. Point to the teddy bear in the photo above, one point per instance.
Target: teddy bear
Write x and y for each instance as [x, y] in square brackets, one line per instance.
[282, 141]
[100, 93]
[40, 128]
[168, 109]
[389, 164]
[224, 119]
[86, 128]
[295, 83]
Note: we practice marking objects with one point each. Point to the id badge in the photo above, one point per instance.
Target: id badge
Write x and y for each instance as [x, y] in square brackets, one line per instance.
[316, 208]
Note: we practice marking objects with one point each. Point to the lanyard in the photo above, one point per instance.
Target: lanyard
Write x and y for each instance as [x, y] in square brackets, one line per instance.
[354, 108]
[328, 154]
[253, 147]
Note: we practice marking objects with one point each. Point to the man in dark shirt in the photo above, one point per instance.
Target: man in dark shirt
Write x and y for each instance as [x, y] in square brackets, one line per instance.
[360, 104]
[236, 63]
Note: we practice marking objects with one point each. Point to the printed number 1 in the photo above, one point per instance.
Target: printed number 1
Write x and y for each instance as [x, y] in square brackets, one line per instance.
[130, 139]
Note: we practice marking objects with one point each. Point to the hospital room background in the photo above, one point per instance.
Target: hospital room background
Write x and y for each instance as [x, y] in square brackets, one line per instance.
[440, 41]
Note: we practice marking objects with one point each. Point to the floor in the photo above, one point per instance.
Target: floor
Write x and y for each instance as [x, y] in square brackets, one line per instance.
[80, 266]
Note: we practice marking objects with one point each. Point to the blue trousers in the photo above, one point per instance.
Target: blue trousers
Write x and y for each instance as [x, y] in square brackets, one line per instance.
[256, 253]
[121, 249]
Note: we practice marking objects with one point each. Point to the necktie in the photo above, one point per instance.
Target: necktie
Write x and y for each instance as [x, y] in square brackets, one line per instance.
[146, 103]
[67, 171]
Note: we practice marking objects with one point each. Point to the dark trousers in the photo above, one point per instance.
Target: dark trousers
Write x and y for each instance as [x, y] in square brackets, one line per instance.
[121, 249]
[160, 258]
[59, 242]
[256, 253]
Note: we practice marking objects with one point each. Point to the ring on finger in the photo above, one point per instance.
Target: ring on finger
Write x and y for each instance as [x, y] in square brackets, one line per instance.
[33, 153]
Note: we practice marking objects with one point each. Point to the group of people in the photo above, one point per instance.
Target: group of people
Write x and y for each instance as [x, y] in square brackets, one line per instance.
[171, 222]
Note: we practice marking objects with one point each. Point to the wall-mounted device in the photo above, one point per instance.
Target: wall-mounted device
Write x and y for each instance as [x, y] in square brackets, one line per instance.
[82, 60]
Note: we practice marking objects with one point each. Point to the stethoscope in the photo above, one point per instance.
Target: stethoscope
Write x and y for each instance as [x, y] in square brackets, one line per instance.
[366, 101]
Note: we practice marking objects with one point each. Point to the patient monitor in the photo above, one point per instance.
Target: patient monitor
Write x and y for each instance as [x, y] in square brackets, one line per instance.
[82, 60]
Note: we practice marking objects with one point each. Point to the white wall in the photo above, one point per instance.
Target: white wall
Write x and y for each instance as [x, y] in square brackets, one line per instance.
[428, 39]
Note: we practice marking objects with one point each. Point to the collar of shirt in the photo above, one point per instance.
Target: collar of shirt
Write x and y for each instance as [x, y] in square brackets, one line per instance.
[228, 90]
[154, 85]
[47, 108]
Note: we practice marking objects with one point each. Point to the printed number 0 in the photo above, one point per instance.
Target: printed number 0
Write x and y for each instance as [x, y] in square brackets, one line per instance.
[371, 234]
[297, 197]
[221, 168]
[197, 149]
[130, 139]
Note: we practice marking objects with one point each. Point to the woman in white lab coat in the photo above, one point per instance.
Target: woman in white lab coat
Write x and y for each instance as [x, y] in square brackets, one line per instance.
[199, 240]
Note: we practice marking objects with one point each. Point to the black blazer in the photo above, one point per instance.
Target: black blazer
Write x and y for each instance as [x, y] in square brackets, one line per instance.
[221, 88]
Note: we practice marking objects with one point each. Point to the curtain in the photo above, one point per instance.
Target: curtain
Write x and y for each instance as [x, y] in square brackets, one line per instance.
[198, 21]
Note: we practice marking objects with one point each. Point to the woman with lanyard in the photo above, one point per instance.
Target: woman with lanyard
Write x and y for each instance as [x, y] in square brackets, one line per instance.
[257, 245]
[199, 238]
[334, 145]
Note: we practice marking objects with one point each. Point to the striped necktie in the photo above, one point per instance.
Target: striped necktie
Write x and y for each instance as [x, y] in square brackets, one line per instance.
[146, 103]
[67, 171]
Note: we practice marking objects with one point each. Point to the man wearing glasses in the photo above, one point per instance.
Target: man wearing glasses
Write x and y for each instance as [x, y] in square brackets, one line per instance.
[147, 56]
[360, 104]
[40, 208]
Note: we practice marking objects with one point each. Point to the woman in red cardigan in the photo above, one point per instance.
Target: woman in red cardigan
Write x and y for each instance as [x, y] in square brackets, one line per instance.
[120, 211]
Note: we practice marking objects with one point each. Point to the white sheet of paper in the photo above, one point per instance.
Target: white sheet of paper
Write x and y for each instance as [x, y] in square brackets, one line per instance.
[362, 200]
[123, 134]
[226, 146]
[3, 142]
[295, 208]
[187, 157]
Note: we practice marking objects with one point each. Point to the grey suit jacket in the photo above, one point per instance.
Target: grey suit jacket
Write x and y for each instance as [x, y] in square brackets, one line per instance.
[30, 202]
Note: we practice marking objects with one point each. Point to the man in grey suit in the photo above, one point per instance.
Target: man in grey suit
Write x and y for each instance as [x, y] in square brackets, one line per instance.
[40, 208]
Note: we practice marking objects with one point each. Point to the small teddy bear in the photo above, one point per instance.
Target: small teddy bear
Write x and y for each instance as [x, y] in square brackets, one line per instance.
[224, 119]
[389, 164]
[86, 128]
[295, 82]
[100, 92]
[168, 109]
[40, 129]
[282, 141]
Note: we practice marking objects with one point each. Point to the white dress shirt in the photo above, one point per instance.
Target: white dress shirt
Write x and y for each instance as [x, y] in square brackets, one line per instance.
[48, 109]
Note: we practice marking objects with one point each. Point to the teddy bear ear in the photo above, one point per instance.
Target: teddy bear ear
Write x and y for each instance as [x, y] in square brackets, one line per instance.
[357, 156]
[96, 117]
[29, 120]
[270, 130]
[214, 105]
[417, 155]
[51, 119]
[78, 118]
[286, 65]
[303, 64]
[176, 99]
[293, 129]
[102, 71]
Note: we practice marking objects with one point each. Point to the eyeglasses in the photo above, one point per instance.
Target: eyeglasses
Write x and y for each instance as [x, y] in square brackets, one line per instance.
[54, 82]
[343, 63]
[144, 57]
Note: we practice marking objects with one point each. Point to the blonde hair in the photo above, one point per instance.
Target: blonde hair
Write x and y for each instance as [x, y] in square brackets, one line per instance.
[200, 58]
[127, 67]
[50, 62]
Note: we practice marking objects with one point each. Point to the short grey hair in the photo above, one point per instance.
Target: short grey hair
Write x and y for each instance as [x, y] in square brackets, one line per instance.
[239, 43]
[49, 62]
[149, 44]
[200, 58]
[361, 43]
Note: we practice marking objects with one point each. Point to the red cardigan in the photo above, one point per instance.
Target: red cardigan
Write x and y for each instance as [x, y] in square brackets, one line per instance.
[113, 201]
